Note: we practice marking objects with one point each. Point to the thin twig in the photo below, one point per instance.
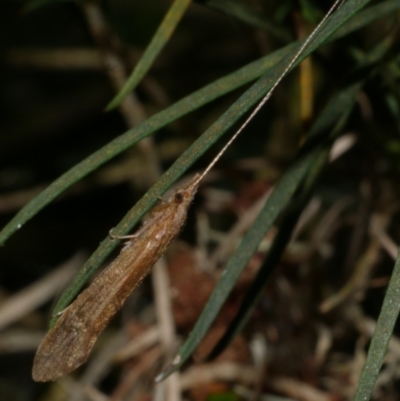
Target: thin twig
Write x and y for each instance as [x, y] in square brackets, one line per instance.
[377, 230]
[19, 341]
[81, 58]
[298, 390]
[139, 344]
[228, 371]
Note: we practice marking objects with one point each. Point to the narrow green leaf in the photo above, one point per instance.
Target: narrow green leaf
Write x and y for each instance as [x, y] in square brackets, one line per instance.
[160, 38]
[381, 337]
[256, 289]
[335, 114]
[263, 223]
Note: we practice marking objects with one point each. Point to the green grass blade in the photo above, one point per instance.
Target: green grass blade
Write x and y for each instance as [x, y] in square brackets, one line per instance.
[263, 223]
[256, 289]
[160, 38]
[381, 337]
[335, 114]
[190, 103]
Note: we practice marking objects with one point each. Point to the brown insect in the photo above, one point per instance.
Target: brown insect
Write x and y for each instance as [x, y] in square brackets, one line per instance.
[68, 344]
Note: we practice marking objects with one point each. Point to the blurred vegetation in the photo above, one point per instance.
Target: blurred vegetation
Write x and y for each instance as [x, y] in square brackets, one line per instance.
[311, 270]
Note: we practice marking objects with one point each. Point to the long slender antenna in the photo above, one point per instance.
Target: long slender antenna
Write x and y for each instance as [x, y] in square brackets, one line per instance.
[336, 5]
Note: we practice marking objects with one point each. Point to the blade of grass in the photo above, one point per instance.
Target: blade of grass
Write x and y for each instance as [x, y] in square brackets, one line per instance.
[338, 109]
[247, 100]
[263, 223]
[256, 289]
[381, 337]
[160, 38]
[190, 103]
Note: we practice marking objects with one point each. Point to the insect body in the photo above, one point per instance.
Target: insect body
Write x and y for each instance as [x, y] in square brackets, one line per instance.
[68, 344]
